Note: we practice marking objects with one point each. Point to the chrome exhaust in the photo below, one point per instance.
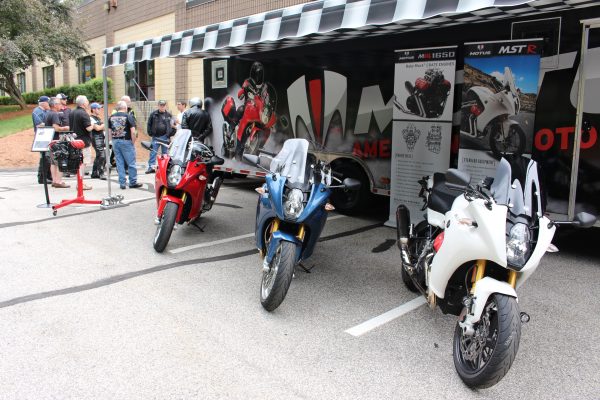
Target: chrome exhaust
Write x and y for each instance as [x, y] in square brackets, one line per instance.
[403, 234]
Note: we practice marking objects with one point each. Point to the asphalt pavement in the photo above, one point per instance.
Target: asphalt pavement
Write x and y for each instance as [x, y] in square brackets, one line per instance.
[88, 310]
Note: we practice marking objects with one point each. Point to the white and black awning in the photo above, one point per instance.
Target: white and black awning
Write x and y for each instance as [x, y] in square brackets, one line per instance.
[326, 21]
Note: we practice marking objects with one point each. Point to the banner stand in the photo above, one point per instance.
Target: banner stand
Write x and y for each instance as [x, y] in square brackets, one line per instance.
[47, 204]
[41, 142]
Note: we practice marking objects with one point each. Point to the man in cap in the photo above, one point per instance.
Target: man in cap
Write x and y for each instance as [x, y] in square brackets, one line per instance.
[98, 141]
[38, 117]
[53, 120]
[159, 129]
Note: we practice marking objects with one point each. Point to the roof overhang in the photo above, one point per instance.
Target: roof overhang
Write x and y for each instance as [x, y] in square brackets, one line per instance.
[327, 21]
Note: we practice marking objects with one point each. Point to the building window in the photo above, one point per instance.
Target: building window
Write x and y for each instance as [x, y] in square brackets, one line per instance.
[139, 80]
[87, 68]
[192, 3]
[21, 82]
[48, 76]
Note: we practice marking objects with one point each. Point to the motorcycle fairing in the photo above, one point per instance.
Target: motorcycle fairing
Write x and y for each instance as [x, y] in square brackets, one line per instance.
[487, 241]
[276, 238]
[484, 288]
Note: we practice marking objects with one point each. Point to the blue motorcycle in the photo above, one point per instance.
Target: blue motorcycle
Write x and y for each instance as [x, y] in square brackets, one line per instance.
[291, 213]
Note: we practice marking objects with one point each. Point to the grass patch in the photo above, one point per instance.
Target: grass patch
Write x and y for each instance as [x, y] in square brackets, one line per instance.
[14, 125]
[5, 109]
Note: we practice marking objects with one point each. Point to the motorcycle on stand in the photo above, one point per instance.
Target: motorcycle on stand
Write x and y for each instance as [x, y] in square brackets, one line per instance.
[243, 132]
[183, 191]
[476, 246]
[291, 214]
[487, 113]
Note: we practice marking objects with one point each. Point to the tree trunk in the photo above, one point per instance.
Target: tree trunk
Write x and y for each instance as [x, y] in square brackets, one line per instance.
[13, 91]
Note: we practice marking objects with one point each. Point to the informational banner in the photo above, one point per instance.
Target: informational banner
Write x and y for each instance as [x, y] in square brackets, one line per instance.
[423, 97]
[498, 103]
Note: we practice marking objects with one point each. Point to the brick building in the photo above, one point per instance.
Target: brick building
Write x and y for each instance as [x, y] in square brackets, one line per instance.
[105, 23]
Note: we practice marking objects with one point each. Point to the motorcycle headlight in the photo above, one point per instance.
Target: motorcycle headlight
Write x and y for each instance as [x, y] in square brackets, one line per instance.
[293, 206]
[517, 245]
[174, 175]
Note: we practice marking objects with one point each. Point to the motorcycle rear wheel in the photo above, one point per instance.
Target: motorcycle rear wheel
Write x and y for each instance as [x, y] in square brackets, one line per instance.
[276, 282]
[514, 144]
[483, 359]
[165, 227]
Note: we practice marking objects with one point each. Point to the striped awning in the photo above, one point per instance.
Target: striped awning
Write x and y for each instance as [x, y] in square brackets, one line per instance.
[326, 21]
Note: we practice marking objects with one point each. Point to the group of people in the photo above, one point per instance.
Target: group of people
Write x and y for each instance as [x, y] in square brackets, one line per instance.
[85, 121]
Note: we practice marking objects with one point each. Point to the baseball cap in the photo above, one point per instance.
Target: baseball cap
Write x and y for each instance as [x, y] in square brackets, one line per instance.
[43, 99]
[95, 106]
[162, 102]
[62, 96]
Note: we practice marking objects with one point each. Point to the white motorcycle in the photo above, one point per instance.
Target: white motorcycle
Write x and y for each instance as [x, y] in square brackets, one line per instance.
[476, 246]
[487, 113]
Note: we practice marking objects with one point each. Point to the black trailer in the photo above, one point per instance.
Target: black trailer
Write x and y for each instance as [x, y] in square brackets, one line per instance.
[331, 64]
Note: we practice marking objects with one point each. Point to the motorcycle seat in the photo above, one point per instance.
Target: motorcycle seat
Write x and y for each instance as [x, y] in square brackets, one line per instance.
[441, 197]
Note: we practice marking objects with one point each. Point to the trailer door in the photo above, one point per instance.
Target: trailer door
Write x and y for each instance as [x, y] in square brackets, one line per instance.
[584, 194]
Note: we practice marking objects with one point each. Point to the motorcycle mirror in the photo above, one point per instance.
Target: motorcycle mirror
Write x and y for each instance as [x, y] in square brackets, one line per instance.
[252, 159]
[457, 180]
[584, 220]
[351, 184]
[146, 144]
[216, 160]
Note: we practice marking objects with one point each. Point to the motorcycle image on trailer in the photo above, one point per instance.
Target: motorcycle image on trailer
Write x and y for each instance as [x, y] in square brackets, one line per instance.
[488, 113]
[428, 96]
[477, 245]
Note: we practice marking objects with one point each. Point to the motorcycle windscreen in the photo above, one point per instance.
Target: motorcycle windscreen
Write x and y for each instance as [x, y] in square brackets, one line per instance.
[290, 162]
[179, 146]
[501, 185]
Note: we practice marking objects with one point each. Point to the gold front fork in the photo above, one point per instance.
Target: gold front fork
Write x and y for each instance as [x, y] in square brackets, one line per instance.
[478, 273]
[512, 278]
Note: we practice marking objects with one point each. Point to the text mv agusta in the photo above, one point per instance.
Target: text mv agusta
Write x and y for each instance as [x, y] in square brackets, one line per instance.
[488, 113]
[291, 214]
[476, 246]
[244, 133]
[182, 190]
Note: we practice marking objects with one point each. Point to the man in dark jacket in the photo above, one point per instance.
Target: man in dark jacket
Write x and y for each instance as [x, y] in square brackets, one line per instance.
[159, 127]
[196, 119]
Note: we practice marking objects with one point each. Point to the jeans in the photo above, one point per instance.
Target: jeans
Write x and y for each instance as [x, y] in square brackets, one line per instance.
[125, 154]
[154, 151]
[100, 159]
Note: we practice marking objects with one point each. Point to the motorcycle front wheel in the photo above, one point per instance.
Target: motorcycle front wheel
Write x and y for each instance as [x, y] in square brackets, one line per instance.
[252, 144]
[512, 144]
[165, 227]
[277, 278]
[483, 359]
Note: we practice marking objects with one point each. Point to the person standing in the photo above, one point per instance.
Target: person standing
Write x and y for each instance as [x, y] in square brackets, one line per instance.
[81, 124]
[38, 117]
[65, 112]
[121, 127]
[196, 119]
[98, 141]
[53, 120]
[181, 106]
[159, 129]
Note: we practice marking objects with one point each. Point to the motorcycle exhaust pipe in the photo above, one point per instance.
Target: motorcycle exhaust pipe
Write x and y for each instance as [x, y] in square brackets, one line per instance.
[403, 233]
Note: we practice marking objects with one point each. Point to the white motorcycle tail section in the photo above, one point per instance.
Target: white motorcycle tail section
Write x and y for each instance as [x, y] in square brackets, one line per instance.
[465, 243]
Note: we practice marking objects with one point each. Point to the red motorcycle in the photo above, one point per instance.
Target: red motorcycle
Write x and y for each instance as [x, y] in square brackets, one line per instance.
[183, 192]
[245, 128]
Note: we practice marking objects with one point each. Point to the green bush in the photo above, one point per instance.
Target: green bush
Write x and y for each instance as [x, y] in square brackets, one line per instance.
[91, 89]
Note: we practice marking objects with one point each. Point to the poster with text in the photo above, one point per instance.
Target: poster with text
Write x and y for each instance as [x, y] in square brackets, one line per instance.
[499, 95]
[421, 133]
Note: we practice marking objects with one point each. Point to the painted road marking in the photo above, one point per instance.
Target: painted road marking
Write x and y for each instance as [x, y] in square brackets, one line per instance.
[227, 240]
[386, 317]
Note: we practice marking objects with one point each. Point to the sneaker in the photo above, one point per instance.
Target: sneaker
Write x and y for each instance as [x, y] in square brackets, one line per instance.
[60, 185]
[102, 177]
[123, 187]
[150, 171]
[86, 187]
[135, 186]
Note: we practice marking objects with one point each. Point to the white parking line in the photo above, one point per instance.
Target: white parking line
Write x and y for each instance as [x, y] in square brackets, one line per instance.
[386, 317]
[227, 240]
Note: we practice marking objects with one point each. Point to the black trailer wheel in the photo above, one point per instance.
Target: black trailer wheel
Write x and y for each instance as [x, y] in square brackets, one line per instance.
[165, 227]
[276, 279]
[484, 358]
[512, 144]
[350, 201]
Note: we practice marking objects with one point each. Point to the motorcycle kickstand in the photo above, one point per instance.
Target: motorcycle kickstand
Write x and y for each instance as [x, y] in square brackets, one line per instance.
[195, 223]
[307, 270]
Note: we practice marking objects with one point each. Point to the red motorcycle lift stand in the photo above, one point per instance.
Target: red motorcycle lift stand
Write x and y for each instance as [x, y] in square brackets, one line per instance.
[80, 199]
